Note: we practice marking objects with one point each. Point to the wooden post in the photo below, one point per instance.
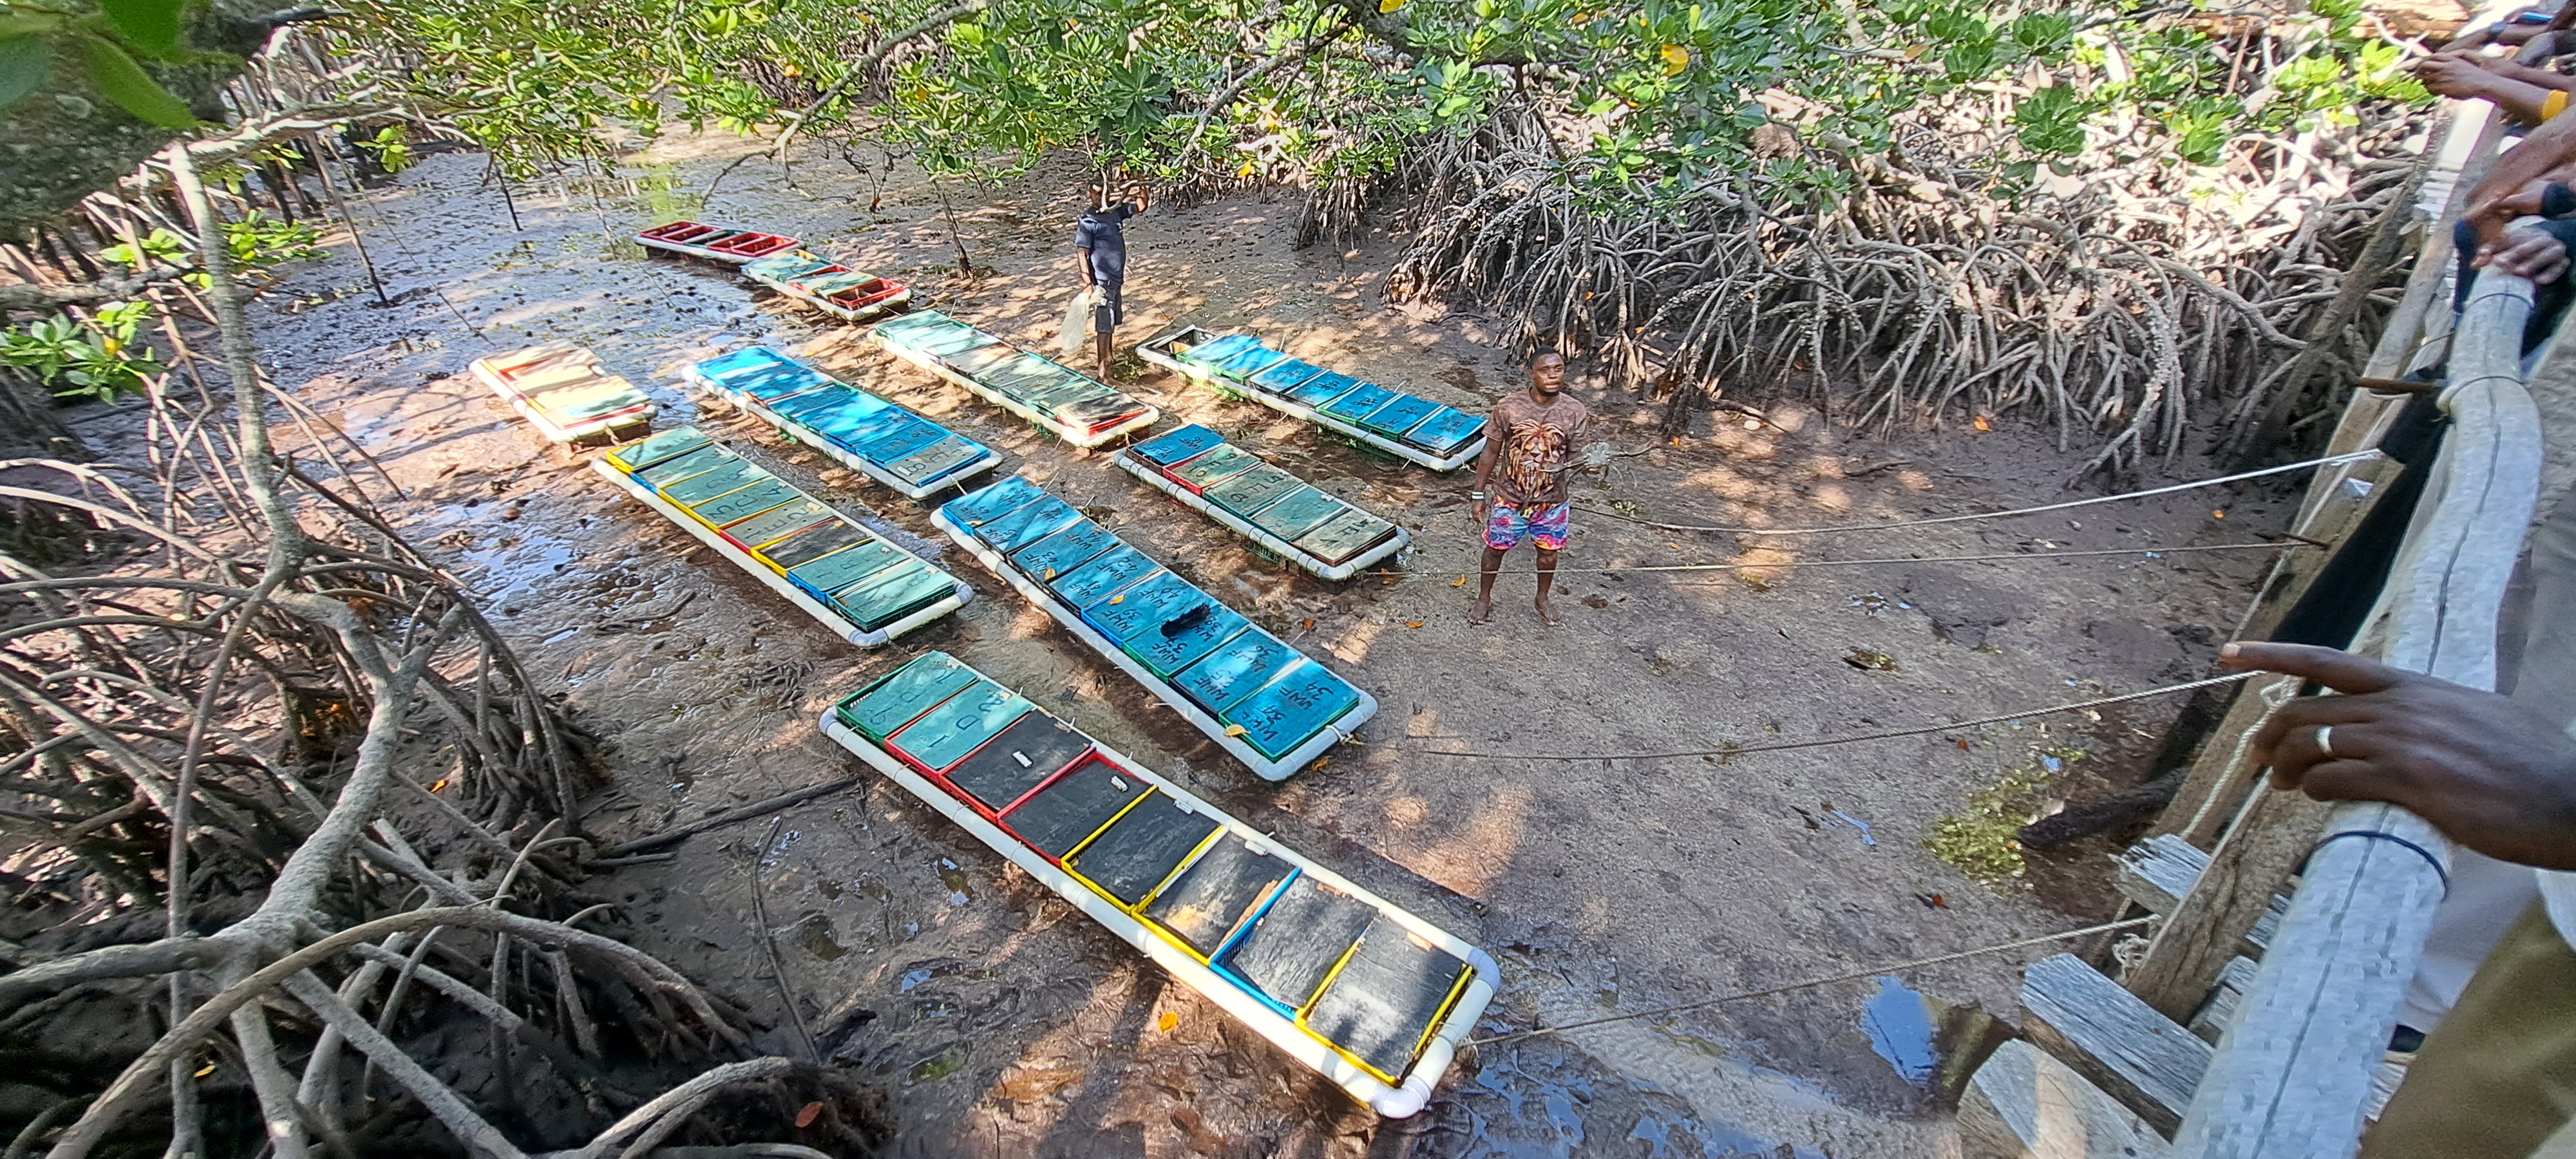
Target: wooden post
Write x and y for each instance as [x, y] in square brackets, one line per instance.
[2149, 1063]
[2220, 776]
[2022, 1104]
[2258, 854]
[2293, 1075]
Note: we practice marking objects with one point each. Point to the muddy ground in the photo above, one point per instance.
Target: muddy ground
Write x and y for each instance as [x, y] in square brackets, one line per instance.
[1005, 1024]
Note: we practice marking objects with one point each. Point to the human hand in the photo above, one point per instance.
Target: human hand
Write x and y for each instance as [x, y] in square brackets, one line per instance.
[2517, 33]
[1484, 509]
[2490, 215]
[2536, 254]
[2453, 74]
[2489, 773]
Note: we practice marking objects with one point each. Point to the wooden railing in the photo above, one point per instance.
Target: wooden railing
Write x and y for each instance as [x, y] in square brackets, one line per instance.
[2295, 1069]
[2294, 1074]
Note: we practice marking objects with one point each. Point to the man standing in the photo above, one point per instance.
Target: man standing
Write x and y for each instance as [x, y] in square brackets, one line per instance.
[1101, 242]
[1532, 436]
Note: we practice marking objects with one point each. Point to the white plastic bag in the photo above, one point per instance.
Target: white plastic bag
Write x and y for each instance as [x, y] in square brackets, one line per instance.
[1077, 321]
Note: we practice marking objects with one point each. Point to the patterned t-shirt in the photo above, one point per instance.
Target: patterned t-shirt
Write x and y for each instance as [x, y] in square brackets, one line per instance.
[1535, 437]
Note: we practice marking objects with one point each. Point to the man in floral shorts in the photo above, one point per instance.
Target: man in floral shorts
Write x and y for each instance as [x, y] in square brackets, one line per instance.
[1532, 437]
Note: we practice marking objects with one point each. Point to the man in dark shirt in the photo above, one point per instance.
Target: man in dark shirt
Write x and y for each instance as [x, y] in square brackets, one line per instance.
[1101, 242]
[1533, 436]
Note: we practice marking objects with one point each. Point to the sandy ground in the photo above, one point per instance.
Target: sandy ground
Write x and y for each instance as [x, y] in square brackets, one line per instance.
[1005, 1024]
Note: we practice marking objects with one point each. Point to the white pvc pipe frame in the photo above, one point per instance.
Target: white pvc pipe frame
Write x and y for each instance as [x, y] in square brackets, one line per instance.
[703, 252]
[1222, 385]
[1085, 441]
[825, 305]
[2294, 1073]
[1334, 731]
[1394, 1102]
[489, 377]
[1127, 461]
[839, 624]
[808, 436]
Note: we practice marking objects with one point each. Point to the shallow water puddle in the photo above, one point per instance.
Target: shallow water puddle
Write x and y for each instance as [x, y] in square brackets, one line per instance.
[960, 887]
[1933, 1045]
[815, 935]
[1899, 1024]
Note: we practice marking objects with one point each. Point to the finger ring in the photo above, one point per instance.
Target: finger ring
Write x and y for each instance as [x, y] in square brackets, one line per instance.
[2325, 742]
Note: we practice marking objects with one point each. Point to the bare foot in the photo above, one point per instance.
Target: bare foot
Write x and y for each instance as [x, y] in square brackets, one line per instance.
[1480, 611]
[1548, 614]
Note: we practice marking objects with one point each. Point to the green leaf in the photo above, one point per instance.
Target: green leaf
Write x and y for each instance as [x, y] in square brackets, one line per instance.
[151, 26]
[121, 80]
[22, 68]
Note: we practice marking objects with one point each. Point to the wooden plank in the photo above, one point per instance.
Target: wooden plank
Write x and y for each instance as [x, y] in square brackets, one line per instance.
[2225, 1000]
[2158, 873]
[2121, 1045]
[2272, 832]
[2022, 1104]
[2295, 1076]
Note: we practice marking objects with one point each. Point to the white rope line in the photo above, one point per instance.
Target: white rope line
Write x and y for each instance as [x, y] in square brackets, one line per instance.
[1851, 976]
[1733, 749]
[1433, 573]
[2069, 505]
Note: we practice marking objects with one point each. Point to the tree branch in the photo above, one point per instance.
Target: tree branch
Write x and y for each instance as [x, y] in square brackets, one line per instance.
[35, 297]
[130, 1087]
[145, 960]
[443, 1103]
[681, 1101]
[253, 136]
[867, 65]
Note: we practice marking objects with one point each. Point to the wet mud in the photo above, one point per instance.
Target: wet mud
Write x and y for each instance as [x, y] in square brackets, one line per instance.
[1001, 1021]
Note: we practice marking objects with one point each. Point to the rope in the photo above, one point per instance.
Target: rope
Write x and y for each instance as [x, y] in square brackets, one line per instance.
[1427, 573]
[1852, 976]
[1926, 730]
[2069, 505]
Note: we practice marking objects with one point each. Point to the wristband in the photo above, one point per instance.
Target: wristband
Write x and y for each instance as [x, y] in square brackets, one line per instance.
[2553, 104]
[1475, 495]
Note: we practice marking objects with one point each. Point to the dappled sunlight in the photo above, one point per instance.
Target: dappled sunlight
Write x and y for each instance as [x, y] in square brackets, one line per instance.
[1028, 621]
[1476, 854]
[1351, 646]
[1006, 1024]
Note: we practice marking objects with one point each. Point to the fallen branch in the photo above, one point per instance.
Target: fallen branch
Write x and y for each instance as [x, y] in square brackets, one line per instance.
[729, 817]
[35, 297]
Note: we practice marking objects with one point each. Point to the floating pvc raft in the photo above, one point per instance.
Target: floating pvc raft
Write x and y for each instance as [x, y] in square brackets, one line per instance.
[828, 286]
[1442, 438]
[1376, 999]
[1078, 409]
[715, 242]
[1264, 702]
[564, 391]
[1261, 502]
[865, 589]
[874, 437]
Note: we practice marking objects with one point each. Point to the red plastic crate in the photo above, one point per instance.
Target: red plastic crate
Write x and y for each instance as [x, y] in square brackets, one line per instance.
[868, 293]
[754, 245]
